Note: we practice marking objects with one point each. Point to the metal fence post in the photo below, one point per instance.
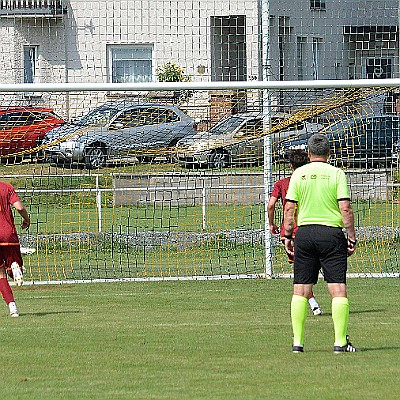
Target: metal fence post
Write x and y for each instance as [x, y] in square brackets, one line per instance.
[98, 203]
[204, 202]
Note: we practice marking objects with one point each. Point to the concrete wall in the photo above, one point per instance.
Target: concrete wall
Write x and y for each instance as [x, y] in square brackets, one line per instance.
[217, 188]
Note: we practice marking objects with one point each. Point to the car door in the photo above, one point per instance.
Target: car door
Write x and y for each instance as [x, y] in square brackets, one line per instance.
[143, 128]
[375, 140]
[360, 148]
[249, 150]
[385, 133]
[344, 138]
[37, 125]
[13, 130]
[146, 132]
[161, 128]
[125, 131]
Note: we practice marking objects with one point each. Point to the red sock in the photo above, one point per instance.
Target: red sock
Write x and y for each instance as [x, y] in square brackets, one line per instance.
[5, 290]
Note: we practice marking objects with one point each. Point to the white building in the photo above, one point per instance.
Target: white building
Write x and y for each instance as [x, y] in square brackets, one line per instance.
[126, 40]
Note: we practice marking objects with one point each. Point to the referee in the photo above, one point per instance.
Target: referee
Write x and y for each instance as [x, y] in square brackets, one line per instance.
[321, 195]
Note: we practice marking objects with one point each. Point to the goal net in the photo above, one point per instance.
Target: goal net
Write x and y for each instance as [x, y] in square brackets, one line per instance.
[145, 137]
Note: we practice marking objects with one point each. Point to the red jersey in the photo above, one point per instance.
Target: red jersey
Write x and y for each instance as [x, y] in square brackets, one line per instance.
[8, 231]
[279, 191]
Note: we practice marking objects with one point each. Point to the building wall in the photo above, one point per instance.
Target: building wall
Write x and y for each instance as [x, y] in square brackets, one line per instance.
[179, 31]
[336, 56]
[73, 47]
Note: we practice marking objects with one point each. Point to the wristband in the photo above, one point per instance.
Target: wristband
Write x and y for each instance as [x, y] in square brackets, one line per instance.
[353, 242]
[288, 237]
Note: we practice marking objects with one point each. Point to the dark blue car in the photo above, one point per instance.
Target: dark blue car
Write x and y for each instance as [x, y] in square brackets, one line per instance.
[359, 141]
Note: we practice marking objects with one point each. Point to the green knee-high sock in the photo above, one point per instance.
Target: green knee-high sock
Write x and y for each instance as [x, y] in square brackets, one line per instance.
[298, 311]
[340, 317]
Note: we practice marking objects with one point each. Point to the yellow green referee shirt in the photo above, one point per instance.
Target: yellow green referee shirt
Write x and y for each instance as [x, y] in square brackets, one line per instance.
[316, 188]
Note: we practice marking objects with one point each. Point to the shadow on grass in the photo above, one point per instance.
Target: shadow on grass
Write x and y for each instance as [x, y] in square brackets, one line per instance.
[353, 312]
[367, 311]
[43, 314]
[383, 348]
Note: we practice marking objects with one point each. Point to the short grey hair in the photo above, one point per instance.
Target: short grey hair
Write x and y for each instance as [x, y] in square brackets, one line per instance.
[318, 145]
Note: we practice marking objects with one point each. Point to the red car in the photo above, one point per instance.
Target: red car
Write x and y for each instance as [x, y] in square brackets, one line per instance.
[22, 128]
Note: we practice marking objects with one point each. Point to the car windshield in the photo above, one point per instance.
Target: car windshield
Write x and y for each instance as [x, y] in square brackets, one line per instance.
[227, 126]
[98, 116]
[343, 126]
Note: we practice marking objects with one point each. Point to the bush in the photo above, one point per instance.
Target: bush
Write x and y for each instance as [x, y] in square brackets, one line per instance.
[171, 72]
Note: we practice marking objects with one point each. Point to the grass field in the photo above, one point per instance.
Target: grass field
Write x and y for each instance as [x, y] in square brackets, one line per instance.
[195, 340]
[147, 239]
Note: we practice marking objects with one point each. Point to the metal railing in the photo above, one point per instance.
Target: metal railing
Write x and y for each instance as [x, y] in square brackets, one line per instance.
[357, 187]
[29, 7]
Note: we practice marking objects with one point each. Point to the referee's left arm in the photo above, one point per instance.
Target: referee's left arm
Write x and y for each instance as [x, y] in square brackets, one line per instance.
[289, 221]
[289, 218]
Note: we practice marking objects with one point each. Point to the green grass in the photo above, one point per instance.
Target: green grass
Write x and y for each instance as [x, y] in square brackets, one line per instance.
[79, 217]
[196, 340]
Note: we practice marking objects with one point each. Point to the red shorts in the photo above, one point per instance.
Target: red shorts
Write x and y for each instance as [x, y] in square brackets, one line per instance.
[8, 255]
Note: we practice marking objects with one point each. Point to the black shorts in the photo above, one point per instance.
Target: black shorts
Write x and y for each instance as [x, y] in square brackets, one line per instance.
[319, 247]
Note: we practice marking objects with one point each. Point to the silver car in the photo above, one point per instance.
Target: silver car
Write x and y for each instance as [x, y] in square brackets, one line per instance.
[225, 143]
[118, 130]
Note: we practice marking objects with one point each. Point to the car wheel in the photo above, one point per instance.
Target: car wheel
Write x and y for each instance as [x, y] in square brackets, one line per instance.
[95, 157]
[219, 159]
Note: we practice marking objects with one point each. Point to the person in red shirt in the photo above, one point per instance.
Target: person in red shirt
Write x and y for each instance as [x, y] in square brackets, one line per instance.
[10, 251]
[297, 158]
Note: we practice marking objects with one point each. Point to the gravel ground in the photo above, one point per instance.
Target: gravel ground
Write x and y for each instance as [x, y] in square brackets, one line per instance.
[180, 240]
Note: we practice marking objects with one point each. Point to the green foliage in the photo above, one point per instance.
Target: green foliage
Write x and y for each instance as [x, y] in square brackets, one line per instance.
[171, 72]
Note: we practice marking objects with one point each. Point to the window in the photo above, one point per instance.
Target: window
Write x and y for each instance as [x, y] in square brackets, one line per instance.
[14, 120]
[30, 64]
[252, 127]
[315, 57]
[228, 48]
[154, 116]
[130, 63]
[301, 48]
[127, 119]
[317, 5]
[146, 116]
[378, 68]
[226, 126]
[170, 116]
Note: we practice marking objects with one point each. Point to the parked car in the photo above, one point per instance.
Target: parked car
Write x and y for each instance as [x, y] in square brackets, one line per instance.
[222, 145]
[359, 141]
[22, 128]
[116, 130]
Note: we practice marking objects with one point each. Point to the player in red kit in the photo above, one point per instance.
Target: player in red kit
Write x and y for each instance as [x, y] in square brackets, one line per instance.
[297, 158]
[10, 251]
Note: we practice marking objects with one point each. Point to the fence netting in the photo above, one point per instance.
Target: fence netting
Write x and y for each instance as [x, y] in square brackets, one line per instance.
[173, 184]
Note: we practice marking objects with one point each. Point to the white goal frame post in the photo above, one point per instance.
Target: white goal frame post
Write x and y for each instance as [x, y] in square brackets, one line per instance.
[265, 86]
